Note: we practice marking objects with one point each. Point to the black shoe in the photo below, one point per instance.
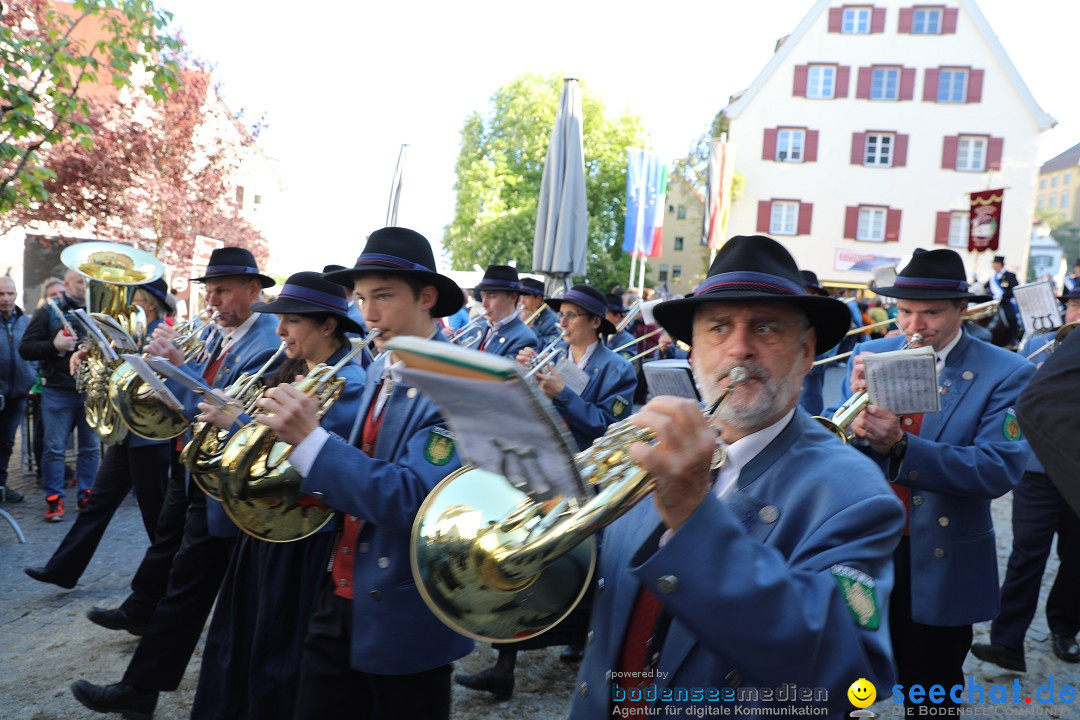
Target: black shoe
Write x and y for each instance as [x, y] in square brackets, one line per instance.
[131, 703]
[572, 654]
[43, 575]
[1000, 656]
[7, 495]
[1066, 648]
[116, 619]
[499, 685]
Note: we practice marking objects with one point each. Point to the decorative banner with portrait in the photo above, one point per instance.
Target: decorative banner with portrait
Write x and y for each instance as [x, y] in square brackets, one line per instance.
[985, 220]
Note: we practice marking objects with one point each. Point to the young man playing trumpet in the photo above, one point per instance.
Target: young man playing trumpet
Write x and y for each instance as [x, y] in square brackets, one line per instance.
[502, 332]
[546, 324]
[773, 569]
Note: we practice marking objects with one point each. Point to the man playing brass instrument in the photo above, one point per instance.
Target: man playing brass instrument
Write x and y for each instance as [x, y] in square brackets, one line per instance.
[773, 570]
[546, 324]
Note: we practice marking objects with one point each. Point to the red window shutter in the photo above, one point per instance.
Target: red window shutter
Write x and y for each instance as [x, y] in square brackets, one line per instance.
[810, 150]
[948, 21]
[892, 226]
[806, 212]
[862, 88]
[836, 19]
[851, 222]
[843, 77]
[906, 15]
[800, 80]
[941, 230]
[948, 153]
[993, 153]
[900, 151]
[975, 83]
[877, 20]
[764, 215]
[930, 84]
[858, 148]
[768, 147]
[907, 83]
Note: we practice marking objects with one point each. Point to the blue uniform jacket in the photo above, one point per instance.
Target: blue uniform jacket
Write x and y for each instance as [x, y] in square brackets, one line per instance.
[546, 327]
[509, 339]
[967, 453]
[754, 582]
[618, 340]
[247, 355]
[606, 398]
[16, 374]
[394, 632]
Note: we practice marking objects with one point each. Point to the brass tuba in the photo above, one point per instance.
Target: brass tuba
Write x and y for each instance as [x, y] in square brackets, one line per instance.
[112, 272]
[495, 564]
[259, 488]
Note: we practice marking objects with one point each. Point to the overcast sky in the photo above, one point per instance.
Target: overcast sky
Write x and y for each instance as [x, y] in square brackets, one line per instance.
[344, 84]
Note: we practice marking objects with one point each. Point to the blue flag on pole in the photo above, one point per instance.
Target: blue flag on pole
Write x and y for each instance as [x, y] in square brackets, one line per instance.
[645, 180]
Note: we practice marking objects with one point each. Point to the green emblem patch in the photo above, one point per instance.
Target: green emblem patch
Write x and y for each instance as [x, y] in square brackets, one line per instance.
[619, 406]
[440, 447]
[1010, 428]
[860, 596]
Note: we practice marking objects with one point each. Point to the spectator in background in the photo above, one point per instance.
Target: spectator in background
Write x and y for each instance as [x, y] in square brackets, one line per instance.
[877, 314]
[51, 289]
[16, 377]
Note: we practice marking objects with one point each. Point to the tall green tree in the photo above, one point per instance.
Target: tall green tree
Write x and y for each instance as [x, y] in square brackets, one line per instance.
[500, 167]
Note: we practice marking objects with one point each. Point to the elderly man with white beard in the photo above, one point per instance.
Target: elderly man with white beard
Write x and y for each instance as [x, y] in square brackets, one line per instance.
[760, 571]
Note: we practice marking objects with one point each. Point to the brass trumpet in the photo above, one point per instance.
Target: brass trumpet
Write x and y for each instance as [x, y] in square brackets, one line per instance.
[546, 356]
[1059, 337]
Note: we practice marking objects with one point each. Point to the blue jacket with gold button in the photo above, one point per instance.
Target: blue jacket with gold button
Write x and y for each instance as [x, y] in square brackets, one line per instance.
[508, 339]
[606, 398]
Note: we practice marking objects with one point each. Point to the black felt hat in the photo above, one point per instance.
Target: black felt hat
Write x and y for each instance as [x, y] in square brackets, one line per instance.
[233, 262]
[1073, 294]
[615, 303]
[810, 282]
[309, 293]
[1000, 259]
[588, 299]
[531, 286]
[932, 275]
[756, 268]
[159, 289]
[500, 277]
[400, 251]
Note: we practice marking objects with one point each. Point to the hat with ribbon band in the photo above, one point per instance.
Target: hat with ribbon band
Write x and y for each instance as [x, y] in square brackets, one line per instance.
[500, 277]
[588, 299]
[234, 262]
[615, 303]
[309, 293]
[750, 269]
[400, 251]
[932, 275]
[532, 286]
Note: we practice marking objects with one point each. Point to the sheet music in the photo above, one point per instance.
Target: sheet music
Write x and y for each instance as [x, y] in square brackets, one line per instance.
[151, 378]
[1039, 308]
[671, 377]
[575, 378]
[169, 371]
[904, 381]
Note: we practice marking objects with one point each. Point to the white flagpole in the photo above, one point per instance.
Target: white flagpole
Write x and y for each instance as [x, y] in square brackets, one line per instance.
[641, 277]
[633, 265]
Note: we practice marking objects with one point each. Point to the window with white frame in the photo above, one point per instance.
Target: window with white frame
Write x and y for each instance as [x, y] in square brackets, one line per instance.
[789, 145]
[679, 242]
[856, 20]
[784, 218]
[662, 275]
[879, 149]
[1064, 200]
[676, 272]
[1052, 201]
[971, 154]
[1066, 178]
[821, 82]
[1042, 183]
[871, 224]
[885, 84]
[926, 21]
[1053, 181]
[958, 230]
[952, 86]
[681, 213]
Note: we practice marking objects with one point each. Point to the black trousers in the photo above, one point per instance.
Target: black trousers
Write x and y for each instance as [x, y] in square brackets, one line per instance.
[1038, 513]
[152, 578]
[925, 655]
[197, 570]
[331, 690]
[145, 468]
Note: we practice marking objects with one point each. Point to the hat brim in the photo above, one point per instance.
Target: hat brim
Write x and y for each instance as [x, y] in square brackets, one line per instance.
[492, 287]
[292, 306]
[267, 282]
[829, 317]
[606, 328]
[450, 298]
[904, 293]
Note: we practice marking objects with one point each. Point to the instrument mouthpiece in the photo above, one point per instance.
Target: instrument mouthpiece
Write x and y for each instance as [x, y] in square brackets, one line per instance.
[738, 376]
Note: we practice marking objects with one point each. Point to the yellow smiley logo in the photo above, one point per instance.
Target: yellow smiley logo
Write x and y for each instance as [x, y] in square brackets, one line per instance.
[862, 693]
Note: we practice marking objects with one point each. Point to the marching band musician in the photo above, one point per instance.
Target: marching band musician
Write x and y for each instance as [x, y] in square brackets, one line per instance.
[774, 569]
[502, 332]
[812, 399]
[373, 648]
[1001, 286]
[946, 467]
[175, 586]
[135, 462]
[546, 324]
[611, 380]
[251, 661]
[1038, 513]
[614, 315]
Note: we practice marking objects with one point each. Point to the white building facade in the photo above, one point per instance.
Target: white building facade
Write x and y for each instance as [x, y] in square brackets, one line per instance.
[866, 131]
